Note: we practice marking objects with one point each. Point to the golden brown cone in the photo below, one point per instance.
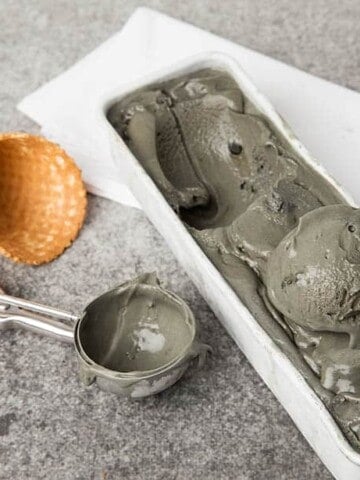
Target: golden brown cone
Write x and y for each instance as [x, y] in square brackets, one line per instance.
[42, 198]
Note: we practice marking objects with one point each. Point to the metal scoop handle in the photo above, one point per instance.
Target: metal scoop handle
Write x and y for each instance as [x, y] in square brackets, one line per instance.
[38, 318]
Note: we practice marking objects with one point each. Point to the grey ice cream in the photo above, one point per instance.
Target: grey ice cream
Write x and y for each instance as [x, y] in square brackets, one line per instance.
[147, 327]
[137, 339]
[313, 279]
[313, 275]
[281, 234]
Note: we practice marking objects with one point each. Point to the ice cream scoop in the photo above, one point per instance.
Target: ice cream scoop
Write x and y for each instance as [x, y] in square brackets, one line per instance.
[313, 275]
[134, 340]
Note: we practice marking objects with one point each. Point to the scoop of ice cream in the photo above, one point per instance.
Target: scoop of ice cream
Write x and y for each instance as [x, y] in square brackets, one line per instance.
[313, 276]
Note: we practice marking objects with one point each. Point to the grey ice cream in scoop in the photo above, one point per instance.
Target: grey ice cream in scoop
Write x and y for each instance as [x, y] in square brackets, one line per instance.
[137, 339]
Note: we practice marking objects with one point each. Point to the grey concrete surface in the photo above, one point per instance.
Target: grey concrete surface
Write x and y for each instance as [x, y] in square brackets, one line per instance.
[220, 423]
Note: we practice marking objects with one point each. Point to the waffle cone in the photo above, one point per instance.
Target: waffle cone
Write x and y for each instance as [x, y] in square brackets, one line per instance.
[42, 199]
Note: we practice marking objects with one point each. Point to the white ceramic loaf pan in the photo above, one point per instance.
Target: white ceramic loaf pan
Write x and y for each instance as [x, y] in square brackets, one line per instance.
[277, 371]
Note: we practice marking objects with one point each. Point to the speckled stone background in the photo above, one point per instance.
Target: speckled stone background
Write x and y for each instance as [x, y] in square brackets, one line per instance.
[220, 423]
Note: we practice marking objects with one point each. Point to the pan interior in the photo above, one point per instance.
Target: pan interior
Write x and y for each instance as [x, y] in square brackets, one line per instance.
[140, 328]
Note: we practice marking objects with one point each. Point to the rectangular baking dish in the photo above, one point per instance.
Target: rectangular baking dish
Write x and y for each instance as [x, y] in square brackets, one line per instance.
[280, 375]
